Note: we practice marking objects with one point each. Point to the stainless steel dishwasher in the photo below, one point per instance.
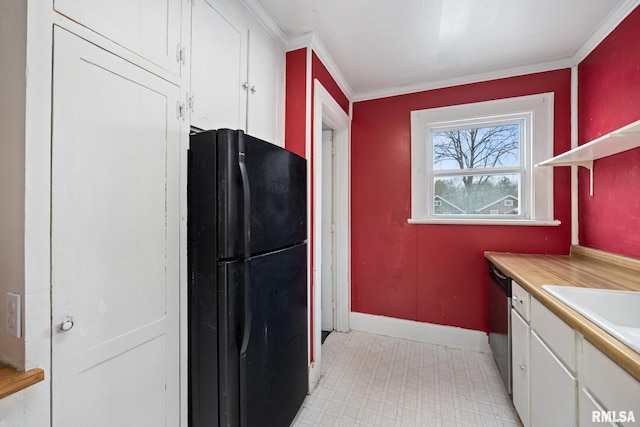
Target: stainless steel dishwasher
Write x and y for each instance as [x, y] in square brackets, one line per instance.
[500, 321]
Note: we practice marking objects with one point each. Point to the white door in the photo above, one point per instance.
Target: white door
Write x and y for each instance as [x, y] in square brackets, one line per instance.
[114, 243]
[265, 91]
[149, 28]
[218, 68]
[328, 227]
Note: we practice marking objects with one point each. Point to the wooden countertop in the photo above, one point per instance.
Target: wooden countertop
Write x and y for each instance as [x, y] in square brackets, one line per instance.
[586, 268]
[11, 380]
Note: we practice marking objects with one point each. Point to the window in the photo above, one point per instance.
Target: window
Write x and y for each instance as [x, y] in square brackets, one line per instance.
[477, 160]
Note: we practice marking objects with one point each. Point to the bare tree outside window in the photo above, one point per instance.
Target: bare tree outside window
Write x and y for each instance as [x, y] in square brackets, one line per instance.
[467, 167]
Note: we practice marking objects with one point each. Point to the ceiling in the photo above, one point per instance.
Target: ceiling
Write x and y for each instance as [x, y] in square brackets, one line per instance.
[386, 46]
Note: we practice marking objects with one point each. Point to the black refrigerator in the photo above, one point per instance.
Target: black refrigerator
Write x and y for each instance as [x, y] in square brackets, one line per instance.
[247, 267]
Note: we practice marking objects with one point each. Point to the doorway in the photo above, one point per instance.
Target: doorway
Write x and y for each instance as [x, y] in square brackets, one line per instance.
[327, 284]
[330, 249]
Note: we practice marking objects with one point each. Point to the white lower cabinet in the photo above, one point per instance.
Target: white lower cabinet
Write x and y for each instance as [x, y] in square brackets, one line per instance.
[590, 413]
[561, 379]
[610, 395]
[553, 388]
[520, 365]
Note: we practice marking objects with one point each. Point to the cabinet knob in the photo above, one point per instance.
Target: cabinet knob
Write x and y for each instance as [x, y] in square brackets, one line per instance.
[523, 368]
[253, 89]
[66, 325]
[245, 85]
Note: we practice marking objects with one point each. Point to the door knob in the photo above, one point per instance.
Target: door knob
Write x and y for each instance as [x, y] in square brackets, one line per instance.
[66, 325]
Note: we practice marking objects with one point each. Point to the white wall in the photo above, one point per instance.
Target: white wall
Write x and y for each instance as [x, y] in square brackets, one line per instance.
[13, 45]
[26, 38]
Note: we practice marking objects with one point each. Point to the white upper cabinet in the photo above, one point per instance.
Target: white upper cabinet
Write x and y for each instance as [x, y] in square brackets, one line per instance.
[148, 28]
[265, 105]
[218, 68]
[237, 74]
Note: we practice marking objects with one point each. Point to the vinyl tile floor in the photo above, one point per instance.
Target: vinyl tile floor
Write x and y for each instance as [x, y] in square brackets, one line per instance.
[372, 380]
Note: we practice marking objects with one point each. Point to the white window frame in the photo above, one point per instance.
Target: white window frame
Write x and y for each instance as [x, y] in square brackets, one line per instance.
[536, 206]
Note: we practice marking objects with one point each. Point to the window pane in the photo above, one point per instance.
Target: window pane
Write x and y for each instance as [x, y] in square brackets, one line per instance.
[493, 194]
[483, 147]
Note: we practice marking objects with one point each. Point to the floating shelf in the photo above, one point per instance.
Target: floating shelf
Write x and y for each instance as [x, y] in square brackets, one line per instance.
[623, 139]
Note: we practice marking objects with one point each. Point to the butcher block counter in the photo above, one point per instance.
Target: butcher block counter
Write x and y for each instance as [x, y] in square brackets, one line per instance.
[586, 268]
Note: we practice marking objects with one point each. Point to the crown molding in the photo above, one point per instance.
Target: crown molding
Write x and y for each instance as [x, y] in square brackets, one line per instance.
[324, 56]
[266, 21]
[614, 19]
[311, 40]
[474, 78]
[300, 42]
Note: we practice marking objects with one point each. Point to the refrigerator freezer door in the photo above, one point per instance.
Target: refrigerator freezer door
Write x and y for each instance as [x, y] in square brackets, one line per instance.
[278, 181]
[277, 187]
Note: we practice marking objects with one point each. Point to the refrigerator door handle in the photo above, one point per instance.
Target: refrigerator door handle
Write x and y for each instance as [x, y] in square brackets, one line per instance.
[246, 229]
[246, 332]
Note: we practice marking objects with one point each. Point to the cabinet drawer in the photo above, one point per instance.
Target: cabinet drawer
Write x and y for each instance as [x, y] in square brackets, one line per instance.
[609, 383]
[555, 333]
[520, 300]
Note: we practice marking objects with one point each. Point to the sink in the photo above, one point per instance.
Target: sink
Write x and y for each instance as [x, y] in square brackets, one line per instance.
[617, 312]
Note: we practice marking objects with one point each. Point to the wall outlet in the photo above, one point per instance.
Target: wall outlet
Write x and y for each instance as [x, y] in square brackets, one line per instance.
[14, 314]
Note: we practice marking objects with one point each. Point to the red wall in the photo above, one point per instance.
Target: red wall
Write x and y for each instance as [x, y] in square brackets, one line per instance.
[295, 102]
[435, 273]
[609, 98]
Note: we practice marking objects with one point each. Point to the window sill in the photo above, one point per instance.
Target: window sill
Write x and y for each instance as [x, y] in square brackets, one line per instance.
[468, 221]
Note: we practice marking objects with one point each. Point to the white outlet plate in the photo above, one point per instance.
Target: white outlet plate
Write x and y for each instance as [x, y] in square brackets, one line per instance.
[14, 314]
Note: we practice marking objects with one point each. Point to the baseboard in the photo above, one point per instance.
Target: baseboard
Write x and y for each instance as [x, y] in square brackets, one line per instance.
[448, 336]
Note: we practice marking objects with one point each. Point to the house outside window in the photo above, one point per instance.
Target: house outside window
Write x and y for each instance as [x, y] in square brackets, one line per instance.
[476, 162]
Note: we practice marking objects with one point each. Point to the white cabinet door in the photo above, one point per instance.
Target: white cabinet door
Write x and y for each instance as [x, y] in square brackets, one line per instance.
[520, 364]
[114, 243]
[590, 411]
[553, 388]
[218, 68]
[149, 28]
[266, 89]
